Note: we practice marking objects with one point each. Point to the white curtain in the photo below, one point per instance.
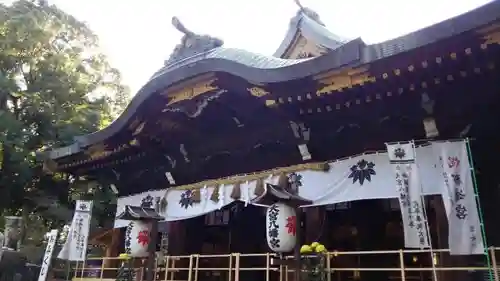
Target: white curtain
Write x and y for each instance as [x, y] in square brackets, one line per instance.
[361, 177]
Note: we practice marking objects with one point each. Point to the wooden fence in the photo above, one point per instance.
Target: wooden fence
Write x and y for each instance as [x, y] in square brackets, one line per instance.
[414, 265]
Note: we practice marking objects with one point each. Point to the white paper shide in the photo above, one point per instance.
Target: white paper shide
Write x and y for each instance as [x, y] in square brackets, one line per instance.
[47, 257]
[402, 159]
[75, 247]
[458, 194]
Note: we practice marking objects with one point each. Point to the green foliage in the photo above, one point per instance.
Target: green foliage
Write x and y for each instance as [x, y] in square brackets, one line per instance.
[54, 84]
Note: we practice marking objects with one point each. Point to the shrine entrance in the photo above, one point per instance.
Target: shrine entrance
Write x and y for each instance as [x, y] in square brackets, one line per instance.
[235, 228]
[359, 226]
[370, 225]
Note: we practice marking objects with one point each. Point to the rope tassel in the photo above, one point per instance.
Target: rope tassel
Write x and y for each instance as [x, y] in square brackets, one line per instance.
[259, 187]
[196, 196]
[283, 181]
[236, 192]
[215, 194]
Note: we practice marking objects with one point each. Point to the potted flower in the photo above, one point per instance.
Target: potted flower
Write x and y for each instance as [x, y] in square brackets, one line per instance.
[125, 272]
[313, 259]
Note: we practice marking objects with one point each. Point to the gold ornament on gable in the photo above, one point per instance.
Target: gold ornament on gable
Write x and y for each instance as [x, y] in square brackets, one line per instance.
[134, 124]
[342, 79]
[134, 142]
[97, 151]
[139, 129]
[490, 35]
[257, 92]
[492, 38]
[191, 91]
[271, 103]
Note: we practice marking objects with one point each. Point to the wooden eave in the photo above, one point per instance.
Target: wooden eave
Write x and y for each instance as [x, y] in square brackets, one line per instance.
[396, 88]
[353, 53]
[322, 90]
[331, 95]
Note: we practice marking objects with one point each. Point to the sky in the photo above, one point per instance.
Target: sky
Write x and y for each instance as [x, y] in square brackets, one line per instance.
[137, 36]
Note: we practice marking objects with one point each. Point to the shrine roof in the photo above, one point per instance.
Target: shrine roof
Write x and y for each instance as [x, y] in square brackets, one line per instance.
[139, 213]
[307, 23]
[233, 55]
[266, 69]
[199, 55]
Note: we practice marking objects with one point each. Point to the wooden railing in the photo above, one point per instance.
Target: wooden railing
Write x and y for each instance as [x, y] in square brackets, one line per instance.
[414, 265]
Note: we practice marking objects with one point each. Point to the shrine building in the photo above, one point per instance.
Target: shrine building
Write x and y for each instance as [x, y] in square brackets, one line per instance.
[216, 130]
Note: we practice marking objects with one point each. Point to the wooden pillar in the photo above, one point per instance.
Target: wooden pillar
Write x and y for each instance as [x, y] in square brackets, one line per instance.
[176, 237]
[300, 237]
[112, 249]
[308, 219]
[313, 224]
[177, 246]
[441, 225]
[445, 260]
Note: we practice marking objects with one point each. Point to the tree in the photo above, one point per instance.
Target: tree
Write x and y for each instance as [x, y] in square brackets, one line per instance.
[54, 84]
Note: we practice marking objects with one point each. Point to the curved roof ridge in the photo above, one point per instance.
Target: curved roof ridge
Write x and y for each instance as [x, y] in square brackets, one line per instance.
[321, 29]
[241, 56]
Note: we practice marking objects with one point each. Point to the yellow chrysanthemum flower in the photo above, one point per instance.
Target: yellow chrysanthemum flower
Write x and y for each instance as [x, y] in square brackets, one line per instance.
[124, 256]
[306, 249]
[320, 248]
[314, 245]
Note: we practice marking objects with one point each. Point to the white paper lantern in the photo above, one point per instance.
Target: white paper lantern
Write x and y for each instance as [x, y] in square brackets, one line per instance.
[281, 228]
[137, 238]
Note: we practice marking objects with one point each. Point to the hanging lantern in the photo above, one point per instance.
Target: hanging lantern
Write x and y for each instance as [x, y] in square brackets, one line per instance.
[281, 227]
[137, 238]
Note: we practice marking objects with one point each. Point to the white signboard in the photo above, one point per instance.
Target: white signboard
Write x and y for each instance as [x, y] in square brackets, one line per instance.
[463, 217]
[47, 257]
[408, 186]
[75, 247]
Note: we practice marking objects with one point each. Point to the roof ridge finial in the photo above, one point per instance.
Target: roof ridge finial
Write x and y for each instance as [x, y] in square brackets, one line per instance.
[191, 43]
[179, 26]
[308, 12]
[297, 2]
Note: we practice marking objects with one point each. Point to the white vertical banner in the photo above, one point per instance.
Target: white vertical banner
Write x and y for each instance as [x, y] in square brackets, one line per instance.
[47, 257]
[75, 247]
[402, 158]
[458, 194]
